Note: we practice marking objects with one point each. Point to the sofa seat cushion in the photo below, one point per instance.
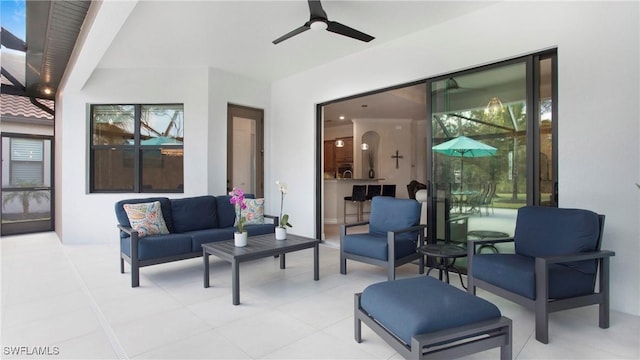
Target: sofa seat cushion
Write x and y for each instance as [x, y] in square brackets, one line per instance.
[194, 213]
[516, 273]
[374, 245]
[200, 237]
[165, 206]
[158, 246]
[423, 304]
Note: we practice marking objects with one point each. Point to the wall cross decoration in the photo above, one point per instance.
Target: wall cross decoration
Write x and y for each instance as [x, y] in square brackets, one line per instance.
[397, 156]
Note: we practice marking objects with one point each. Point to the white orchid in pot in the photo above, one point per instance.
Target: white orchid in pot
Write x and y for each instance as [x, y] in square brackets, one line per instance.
[281, 230]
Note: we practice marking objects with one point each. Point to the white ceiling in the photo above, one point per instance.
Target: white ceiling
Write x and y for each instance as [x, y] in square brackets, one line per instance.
[236, 36]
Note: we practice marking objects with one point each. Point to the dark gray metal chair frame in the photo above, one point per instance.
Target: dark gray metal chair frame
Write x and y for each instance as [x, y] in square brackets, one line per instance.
[444, 344]
[391, 263]
[542, 305]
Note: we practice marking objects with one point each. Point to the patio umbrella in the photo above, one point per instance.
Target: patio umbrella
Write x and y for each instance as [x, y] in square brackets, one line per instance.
[463, 147]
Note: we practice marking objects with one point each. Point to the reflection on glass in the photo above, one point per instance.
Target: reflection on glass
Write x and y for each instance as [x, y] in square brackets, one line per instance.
[113, 169]
[161, 125]
[162, 170]
[113, 124]
[488, 107]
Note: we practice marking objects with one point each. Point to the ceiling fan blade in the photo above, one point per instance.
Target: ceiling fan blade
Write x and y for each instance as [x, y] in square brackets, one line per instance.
[316, 11]
[336, 27]
[292, 33]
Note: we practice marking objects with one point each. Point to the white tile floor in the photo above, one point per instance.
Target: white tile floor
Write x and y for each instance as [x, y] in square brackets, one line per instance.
[73, 301]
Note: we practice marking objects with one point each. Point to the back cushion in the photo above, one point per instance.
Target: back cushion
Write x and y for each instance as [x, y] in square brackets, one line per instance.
[544, 231]
[227, 211]
[165, 206]
[389, 214]
[194, 213]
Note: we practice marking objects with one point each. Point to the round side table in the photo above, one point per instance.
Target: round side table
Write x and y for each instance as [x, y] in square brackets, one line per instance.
[487, 234]
[447, 254]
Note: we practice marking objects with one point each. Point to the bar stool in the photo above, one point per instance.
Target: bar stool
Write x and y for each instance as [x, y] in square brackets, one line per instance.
[389, 190]
[358, 197]
[372, 190]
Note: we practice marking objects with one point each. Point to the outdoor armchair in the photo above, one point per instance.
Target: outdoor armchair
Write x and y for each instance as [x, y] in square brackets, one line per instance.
[393, 239]
[554, 267]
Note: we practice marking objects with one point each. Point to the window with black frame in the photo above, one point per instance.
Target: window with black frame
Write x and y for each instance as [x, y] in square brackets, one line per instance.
[137, 148]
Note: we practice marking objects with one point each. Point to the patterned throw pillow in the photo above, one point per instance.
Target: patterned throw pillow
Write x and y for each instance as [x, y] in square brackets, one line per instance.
[254, 213]
[146, 218]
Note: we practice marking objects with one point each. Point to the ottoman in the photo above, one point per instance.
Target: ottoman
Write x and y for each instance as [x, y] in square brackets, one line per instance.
[423, 317]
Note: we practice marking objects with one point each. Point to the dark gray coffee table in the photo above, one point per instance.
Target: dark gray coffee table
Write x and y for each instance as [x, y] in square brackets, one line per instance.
[257, 247]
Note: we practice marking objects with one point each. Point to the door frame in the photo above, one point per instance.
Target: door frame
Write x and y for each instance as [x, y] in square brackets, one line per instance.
[50, 188]
[257, 115]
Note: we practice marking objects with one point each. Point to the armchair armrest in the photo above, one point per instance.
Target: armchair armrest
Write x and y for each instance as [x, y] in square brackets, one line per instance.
[391, 235]
[409, 229]
[133, 250]
[275, 219]
[126, 229]
[593, 255]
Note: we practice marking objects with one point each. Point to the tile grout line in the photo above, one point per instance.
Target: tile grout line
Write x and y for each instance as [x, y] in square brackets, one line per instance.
[113, 339]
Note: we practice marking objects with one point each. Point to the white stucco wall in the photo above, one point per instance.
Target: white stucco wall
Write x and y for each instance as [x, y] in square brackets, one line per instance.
[598, 57]
[599, 132]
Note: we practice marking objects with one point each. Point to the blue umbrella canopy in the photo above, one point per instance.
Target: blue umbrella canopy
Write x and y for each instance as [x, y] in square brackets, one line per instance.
[463, 146]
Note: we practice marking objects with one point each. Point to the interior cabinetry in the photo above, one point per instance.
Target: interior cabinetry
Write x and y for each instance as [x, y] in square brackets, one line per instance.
[337, 158]
[330, 157]
[344, 154]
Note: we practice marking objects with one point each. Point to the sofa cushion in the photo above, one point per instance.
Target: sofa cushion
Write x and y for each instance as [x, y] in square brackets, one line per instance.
[146, 218]
[194, 213]
[165, 205]
[421, 305]
[254, 213]
[200, 237]
[516, 273]
[158, 246]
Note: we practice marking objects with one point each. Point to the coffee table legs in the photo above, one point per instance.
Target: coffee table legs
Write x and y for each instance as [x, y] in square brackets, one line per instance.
[316, 266]
[235, 281]
[205, 260]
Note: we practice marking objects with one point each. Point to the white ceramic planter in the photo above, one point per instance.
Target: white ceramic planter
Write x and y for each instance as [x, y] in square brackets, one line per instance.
[281, 233]
[240, 239]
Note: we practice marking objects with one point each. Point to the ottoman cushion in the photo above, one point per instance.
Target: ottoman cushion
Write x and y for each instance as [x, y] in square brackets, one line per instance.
[422, 305]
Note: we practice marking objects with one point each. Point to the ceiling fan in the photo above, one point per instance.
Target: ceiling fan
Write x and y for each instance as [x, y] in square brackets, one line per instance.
[318, 20]
[451, 85]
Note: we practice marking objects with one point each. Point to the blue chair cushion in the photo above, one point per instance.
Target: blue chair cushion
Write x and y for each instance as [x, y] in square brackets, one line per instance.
[194, 213]
[158, 246]
[545, 231]
[421, 305]
[516, 273]
[374, 245]
[389, 214]
[165, 207]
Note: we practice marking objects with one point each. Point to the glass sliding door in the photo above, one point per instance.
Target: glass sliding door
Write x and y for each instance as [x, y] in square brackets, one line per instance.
[492, 147]
[479, 152]
[27, 192]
